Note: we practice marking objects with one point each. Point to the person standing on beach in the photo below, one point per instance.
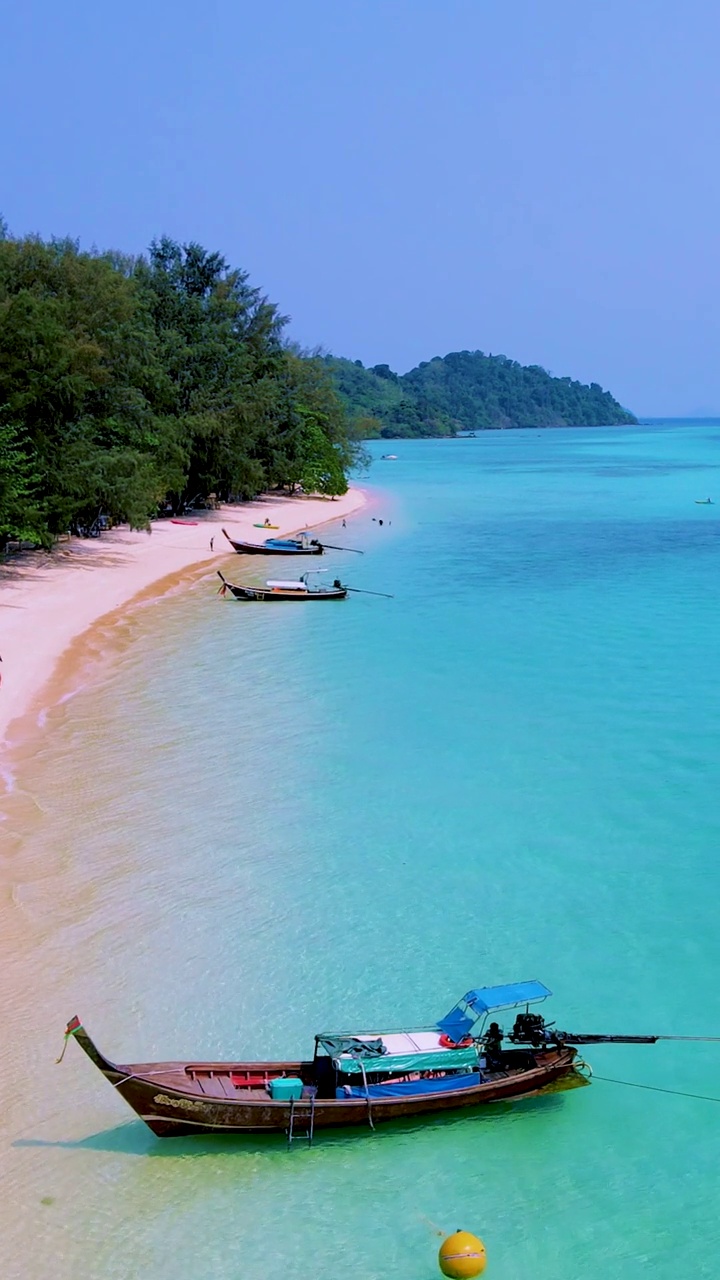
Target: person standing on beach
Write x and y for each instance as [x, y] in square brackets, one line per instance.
[212, 541]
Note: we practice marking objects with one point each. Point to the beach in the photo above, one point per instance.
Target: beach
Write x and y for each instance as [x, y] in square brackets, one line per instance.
[49, 600]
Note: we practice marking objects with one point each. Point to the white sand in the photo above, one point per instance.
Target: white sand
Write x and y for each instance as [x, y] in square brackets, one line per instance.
[48, 600]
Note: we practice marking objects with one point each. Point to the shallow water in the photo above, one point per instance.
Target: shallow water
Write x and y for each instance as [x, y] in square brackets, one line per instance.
[253, 824]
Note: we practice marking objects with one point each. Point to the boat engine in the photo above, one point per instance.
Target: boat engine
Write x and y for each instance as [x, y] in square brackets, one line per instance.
[530, 1028]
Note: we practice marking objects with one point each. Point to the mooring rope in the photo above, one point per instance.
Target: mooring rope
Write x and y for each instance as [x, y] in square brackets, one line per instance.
[656, 1088]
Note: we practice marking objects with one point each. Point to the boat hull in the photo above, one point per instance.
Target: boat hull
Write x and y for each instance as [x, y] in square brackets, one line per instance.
[299, 597]
[170, 1097]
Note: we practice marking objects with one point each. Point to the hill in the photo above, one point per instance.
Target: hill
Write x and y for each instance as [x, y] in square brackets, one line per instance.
[467, 391]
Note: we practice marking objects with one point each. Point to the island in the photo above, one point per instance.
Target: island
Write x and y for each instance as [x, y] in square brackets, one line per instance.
[467, 391]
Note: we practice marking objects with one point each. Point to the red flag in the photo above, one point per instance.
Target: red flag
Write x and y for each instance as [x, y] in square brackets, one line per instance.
[74, 1025]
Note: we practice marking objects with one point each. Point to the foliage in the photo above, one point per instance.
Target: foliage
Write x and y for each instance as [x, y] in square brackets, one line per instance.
[468, 391]
[125, 383]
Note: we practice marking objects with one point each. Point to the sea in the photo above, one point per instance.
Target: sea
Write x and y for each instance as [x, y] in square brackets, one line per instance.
[243, 825]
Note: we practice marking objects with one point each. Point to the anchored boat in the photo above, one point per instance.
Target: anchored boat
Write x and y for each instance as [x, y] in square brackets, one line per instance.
[303, 545]
[361, 1078]
[279, 589]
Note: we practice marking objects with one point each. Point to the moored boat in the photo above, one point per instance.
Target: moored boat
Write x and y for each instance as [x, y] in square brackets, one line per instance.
[361, 1078]
[280, 589]
[303, 545]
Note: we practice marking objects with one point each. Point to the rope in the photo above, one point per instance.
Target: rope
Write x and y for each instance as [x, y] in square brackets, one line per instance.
[367, 1095]
[65, 1045]
[655, 1088]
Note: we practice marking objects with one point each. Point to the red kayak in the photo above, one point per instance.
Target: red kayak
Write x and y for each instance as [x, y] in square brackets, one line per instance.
[184, 522]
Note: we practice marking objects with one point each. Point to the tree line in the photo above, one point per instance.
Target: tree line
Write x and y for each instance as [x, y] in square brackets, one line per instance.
[467, 391]
[130, 385]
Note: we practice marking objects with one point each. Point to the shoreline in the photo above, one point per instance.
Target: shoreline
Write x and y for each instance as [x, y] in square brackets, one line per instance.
[49, 601]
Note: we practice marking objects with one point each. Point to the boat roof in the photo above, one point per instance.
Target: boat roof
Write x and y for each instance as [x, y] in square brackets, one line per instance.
[286, 586]
[485, 999]
[393, 1051]
[480, 1001]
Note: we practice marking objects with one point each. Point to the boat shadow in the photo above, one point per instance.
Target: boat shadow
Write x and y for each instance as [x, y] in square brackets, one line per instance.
[133, 1138]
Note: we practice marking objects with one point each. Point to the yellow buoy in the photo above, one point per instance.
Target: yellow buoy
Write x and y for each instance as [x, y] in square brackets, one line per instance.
[462, 1256]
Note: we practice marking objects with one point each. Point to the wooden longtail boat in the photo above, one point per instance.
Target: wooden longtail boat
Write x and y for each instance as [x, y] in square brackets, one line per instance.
[365, 1078]
[303, 545]
[275, 589]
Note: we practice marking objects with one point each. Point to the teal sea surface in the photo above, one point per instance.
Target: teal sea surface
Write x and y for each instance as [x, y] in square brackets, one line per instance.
[252, 823]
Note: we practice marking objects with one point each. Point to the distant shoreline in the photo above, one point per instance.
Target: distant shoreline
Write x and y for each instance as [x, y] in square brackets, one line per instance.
[565, 426]
[49, 600]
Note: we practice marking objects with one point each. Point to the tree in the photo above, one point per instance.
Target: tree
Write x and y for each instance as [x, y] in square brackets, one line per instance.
[124, 381]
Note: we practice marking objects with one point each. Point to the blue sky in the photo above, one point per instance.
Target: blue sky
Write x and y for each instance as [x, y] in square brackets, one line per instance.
[538, 179]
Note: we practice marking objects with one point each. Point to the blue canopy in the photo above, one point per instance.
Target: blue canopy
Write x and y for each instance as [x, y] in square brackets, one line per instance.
[475, 1004]
[485, 999]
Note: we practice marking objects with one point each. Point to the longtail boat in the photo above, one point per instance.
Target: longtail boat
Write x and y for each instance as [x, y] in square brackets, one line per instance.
[303, 545]
[362, 1078]
[280, 589]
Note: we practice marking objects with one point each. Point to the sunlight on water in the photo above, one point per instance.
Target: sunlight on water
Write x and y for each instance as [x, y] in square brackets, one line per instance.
[250, 824]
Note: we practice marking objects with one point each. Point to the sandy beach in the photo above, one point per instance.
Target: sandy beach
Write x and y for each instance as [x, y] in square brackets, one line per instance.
[47, 601]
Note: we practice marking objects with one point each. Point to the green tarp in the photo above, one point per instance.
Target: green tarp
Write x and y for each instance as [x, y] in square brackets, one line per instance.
[398, 1063]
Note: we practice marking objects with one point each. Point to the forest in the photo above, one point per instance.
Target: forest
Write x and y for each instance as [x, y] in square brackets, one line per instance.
[467, 391]
[131, 385]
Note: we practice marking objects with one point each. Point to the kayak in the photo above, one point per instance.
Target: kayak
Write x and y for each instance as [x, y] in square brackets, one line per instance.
[183, 522]
[266, 526]
[704, 502]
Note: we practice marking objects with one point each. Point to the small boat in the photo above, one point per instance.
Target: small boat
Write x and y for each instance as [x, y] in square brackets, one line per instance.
[389, 457]
[303, 545]
[277, 589]
[361, 1078]
[193, 522]
[704, 502]
[266, 525]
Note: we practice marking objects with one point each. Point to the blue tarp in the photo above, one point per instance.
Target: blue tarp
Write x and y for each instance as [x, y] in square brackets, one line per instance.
[484, 1000]
[414, 1088]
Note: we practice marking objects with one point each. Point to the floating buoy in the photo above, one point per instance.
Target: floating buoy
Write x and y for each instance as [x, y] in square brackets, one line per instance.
[462, 1256]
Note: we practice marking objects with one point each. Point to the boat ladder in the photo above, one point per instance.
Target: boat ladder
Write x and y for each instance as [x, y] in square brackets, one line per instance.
[302, 1119]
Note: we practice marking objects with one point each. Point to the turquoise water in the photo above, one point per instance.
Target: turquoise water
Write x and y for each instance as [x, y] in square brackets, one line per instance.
[252, 824]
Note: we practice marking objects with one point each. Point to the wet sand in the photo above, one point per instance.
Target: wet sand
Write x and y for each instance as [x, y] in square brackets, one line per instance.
[48, 601]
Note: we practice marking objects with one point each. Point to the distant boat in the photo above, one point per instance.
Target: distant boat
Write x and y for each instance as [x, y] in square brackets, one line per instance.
[266, 525]
[275, 589]
[303, 545]
[704, 502]
[389, 457]
[360, 1079]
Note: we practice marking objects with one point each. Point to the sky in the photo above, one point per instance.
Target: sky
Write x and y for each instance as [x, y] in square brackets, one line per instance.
[538, 179]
